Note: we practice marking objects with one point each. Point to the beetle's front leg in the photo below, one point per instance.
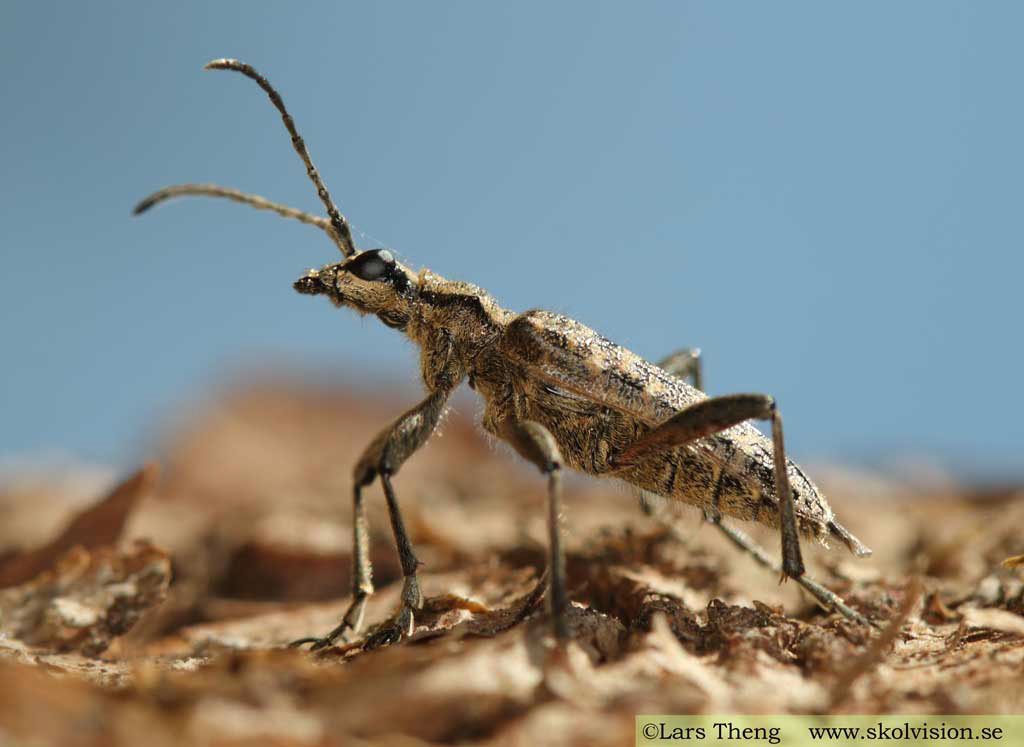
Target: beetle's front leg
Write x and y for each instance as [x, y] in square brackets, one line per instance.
[382, 458]
[401, 626]
[362, 578]
[535, 443]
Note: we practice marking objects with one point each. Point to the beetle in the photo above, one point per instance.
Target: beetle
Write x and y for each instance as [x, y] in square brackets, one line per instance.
[561, 395]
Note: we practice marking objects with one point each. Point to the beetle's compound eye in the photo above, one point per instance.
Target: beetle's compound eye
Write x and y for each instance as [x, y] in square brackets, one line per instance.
[371, 265]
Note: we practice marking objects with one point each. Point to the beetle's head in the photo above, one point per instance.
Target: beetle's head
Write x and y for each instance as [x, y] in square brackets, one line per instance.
[371, 282]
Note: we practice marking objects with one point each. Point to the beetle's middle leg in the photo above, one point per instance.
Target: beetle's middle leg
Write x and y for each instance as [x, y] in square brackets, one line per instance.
[382, 458]
[535, 443]
[685, 364]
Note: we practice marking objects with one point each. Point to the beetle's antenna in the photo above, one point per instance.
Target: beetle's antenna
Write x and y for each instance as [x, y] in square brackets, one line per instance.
[338, 222]
[212, 190]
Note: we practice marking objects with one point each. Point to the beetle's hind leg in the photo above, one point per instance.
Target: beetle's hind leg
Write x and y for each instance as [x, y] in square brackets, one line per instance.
[535, 443]
[685, 364]
[825, 597]
[382, 458]
[710, 416]
[688, 363]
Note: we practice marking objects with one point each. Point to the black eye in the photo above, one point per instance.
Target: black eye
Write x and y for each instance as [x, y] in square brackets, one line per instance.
[371, 265]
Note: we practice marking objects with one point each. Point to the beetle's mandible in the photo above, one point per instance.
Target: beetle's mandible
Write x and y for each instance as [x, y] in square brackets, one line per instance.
[562, 396]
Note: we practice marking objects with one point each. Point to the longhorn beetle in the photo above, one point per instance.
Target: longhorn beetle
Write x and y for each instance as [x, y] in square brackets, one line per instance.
[562, 396]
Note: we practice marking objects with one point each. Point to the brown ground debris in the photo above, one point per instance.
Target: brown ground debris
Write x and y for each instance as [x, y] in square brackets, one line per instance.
[98, 645]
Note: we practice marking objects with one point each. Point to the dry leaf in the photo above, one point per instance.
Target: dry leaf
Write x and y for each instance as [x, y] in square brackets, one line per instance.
[87, 600]
[100, 524]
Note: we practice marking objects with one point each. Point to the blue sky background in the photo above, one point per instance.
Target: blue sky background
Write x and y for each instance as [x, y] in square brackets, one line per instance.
[825, 197]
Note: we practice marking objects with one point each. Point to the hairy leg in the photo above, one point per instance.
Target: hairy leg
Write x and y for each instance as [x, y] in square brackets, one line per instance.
[382, 458]
[536, 444]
